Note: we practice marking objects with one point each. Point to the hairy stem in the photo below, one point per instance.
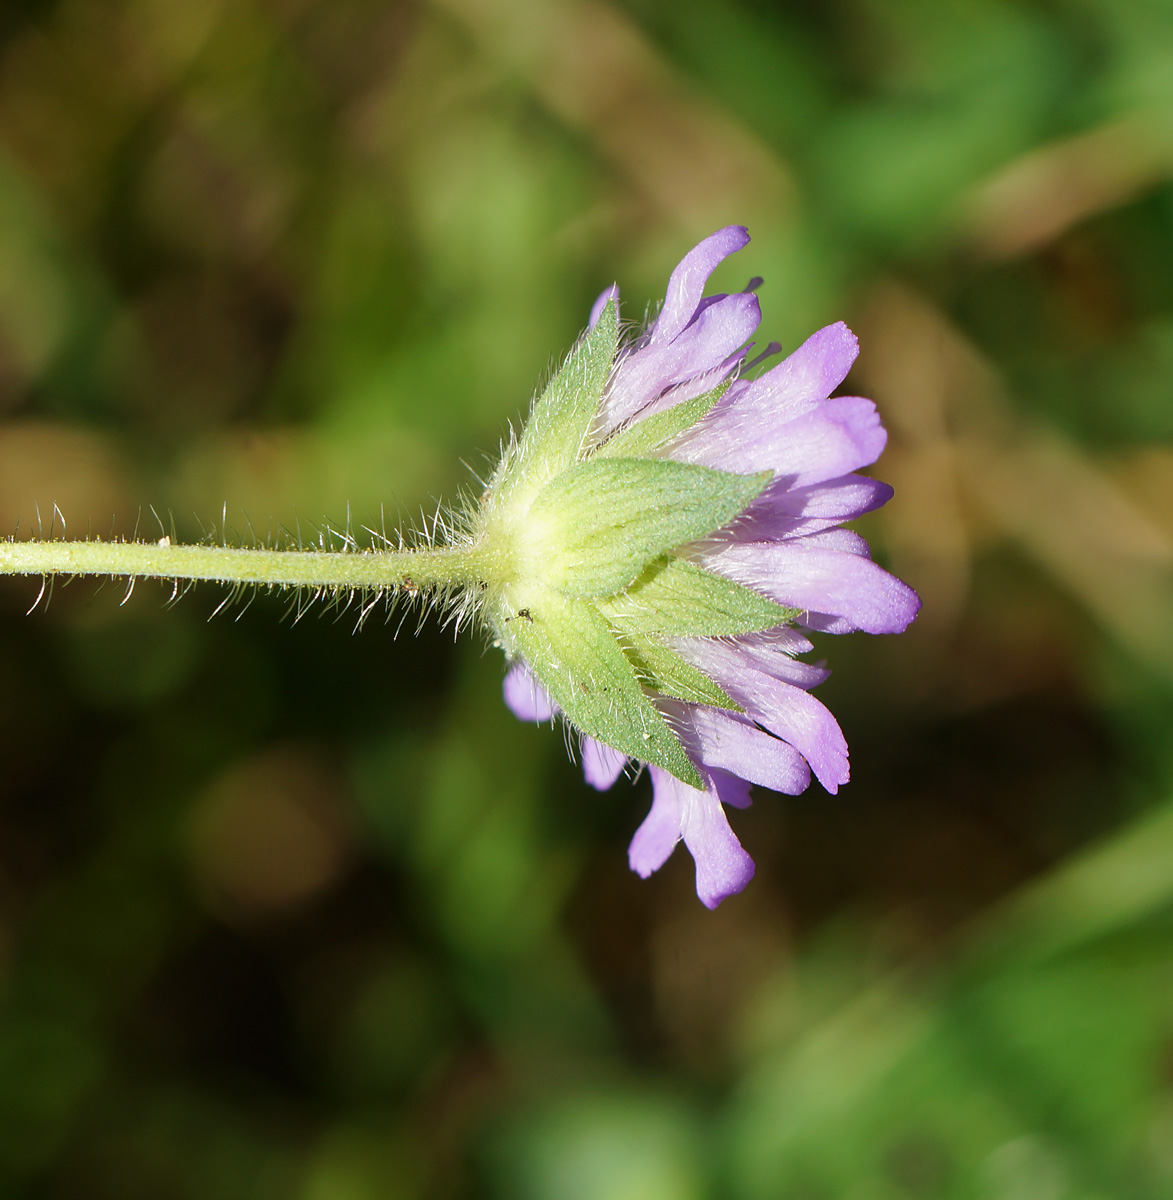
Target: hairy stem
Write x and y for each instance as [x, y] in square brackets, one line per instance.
[380, 570]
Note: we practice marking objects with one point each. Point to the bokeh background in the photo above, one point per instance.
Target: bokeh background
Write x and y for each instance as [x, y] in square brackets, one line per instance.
[288, 910]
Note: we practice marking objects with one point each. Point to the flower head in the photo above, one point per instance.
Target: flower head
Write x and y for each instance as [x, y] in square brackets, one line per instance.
[661, 531]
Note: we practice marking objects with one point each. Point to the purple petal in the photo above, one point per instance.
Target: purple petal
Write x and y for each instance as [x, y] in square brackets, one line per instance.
[808, 376]
[772, 651]
[786, 711]
[846, 540]
[764, 653]
[611, 293]
[731, 743]
[808, 725]
[687, 282]
[782, 511]
[723, 867]
[601, 764]
[656, 838]
[839, 583]
[838, 437]
[785, 640]
[693, 386]
[704, 346]
[679, 811]
[526, 698]
[826, 623]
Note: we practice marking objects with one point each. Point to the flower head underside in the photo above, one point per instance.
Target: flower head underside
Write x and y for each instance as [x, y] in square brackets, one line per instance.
[662, 532]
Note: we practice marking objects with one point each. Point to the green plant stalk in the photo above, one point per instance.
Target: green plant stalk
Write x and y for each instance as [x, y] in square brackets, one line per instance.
[373, 570]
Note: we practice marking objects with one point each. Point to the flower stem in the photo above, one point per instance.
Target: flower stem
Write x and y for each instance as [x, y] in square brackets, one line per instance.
[378, 570]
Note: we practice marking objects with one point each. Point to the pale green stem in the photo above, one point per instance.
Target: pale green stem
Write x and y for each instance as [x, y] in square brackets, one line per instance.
[378, 570]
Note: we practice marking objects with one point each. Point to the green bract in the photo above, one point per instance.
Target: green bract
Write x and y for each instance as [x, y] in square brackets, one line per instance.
[595, 528]
[659, 430]
[561, 418]
[585, 577]
[674, 598]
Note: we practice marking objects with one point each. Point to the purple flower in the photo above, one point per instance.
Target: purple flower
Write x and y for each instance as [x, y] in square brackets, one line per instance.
[787, 545]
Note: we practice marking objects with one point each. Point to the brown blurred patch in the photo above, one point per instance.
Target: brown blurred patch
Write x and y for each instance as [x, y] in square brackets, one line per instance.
[914, 372]
[1033, 200]
[78, 470]
[207, 358]
[70, 91]
[1146, 476]
[597, 71]
[707, 968]
[203, 203]
[169, 36]
[269, 835]
[960, 447]
[352, 45]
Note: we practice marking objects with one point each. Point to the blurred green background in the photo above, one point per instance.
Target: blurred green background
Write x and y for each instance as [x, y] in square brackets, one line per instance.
[287, 911]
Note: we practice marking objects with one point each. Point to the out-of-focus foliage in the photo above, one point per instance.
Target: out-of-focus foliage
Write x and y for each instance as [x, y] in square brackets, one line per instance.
[291, 912]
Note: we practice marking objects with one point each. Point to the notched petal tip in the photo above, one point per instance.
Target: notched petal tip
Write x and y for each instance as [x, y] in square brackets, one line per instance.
[787, 711]
[715, 887]
[837, 347]
[723, 867]
[697, 816]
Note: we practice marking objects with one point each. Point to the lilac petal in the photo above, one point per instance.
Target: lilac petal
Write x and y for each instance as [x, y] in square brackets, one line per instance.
[846, 540]
[793, 388]
[808, 725]
[839, 583]
[785, 640]
[772, 651]
[723, 867]
[717, 333]
[687, 282]
[838, 437]
[826, 623]
[611, 293]
[786, 711]
[693, 386]
[733, 744]
[679, 811]
[526, 698]
[808, 376]
[766, 657]
[782, 511]
[601, 764]
[656, 838]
